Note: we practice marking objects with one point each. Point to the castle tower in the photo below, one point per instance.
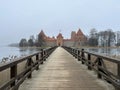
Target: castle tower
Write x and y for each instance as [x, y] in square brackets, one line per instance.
[80, 38]
[59, 40]
[42, 34]
[80, 33]
[73, 35]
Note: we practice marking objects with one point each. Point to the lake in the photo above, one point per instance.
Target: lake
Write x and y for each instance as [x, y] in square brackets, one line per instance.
[6, 51]
[105, 51]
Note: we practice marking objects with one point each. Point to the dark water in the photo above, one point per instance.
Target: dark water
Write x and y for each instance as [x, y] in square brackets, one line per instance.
[6, 51]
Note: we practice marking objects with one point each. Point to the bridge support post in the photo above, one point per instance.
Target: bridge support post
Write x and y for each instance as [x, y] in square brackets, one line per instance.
[99, 64]
[29, 64]
[13, 74]
[82, 56]
[70, 50]
[89, 62]
[78, 55]
[73, 52]
[118, 73]
[37, 59]
[46, 54]
[42, 56]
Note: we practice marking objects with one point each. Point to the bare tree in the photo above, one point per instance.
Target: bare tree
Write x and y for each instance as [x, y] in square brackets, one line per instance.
[23, 43]
[107, 37]
[93, 39]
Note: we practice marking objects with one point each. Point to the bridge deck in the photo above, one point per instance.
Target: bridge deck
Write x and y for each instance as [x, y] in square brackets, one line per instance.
[63, 72]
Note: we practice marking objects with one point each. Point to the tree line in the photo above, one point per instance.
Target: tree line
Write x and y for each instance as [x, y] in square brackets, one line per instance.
[32, 41]
[103, 38]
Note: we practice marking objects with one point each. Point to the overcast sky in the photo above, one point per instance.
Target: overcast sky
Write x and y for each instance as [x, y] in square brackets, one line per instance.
[22, 18]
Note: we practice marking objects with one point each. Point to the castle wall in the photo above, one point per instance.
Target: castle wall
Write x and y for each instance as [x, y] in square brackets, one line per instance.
[69, 43]
[65, 43]
[51, 44]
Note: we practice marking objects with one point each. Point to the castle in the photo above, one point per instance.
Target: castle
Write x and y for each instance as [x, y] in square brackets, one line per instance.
[77, 39]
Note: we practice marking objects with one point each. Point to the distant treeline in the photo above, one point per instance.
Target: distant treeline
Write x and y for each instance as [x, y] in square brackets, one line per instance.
[104, 38]
[38, 42]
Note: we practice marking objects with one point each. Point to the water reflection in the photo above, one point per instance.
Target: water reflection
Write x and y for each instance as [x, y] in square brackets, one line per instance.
[10, 52]
[106, 51]
[28, 50]
[16, 51]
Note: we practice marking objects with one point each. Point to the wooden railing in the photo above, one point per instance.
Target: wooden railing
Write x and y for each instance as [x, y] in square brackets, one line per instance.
[99, 63]
[32, 63]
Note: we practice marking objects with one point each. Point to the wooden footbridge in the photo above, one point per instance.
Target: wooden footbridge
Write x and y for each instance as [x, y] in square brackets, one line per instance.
[56, 69]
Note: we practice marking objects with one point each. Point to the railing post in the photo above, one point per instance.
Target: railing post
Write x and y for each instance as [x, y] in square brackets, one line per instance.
[37, 59]
[29, 64]
[78, 55]
[73, 52]
[70, 50]
[99, 64]
[82, 56]
[46, 53]
[89, 62]
[42, 56]
[118, 73]
[13, 74]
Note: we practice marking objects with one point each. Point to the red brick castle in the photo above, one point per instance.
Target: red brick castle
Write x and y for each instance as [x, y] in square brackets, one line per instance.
[77, 39]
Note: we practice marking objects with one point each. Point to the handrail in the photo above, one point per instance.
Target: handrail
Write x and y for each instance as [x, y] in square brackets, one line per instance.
[98, 65]
[31, 65]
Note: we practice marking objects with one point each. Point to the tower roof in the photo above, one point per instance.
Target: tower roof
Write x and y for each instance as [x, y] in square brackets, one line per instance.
[42, 33]
[80, 32]
[59, 35]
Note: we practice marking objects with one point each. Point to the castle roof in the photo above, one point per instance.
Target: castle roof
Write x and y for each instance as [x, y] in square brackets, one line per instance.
[59, 35]
[80, 32]
[42, 33]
